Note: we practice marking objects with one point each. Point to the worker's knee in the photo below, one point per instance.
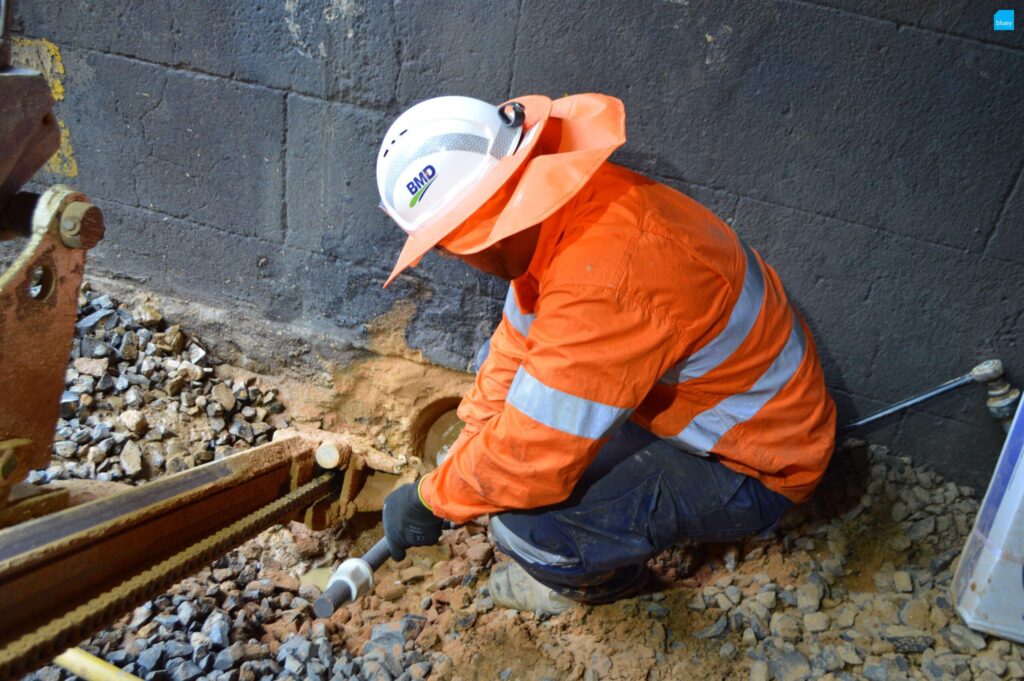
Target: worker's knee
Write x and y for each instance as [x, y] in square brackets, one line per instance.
[536, 541]
[552, 561]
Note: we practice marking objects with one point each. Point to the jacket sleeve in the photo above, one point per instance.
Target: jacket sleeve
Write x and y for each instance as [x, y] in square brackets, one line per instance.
[589, 360]
[507, 350]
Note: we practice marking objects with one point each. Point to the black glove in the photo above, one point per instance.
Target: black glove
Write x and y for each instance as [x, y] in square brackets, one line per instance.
[407, 522]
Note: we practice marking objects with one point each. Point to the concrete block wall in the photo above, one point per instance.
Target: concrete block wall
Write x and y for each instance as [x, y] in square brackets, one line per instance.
[870, 150]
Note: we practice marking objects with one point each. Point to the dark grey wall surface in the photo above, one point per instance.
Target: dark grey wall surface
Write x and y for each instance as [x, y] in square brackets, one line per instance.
[870, 149]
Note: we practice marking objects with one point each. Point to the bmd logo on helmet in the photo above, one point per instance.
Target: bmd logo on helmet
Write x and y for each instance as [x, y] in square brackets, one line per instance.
[419, 185]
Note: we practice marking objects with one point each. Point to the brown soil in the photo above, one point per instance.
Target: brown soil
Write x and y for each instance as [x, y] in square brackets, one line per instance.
[869, 551]
[392, 396]
[621, 641]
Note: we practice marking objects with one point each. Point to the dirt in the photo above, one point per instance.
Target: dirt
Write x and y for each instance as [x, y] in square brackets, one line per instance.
[869, 551]
[393, 396]
[622, 640]
[655, 635]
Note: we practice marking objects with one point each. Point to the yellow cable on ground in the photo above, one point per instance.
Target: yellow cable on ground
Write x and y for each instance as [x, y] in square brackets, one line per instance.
[90, 667]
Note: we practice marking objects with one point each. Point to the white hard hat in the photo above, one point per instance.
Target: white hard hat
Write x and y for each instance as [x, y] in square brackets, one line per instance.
[437, 151]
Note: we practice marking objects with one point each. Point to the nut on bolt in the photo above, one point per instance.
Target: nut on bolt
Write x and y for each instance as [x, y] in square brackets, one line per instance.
[81, 225]
[989, 370]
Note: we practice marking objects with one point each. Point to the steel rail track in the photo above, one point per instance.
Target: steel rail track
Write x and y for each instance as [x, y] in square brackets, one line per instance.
[49, 640]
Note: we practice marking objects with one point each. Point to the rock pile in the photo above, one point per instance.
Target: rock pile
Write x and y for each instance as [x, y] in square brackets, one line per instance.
[838, 593]
[871, 598]
[238, 621]
[141, 399]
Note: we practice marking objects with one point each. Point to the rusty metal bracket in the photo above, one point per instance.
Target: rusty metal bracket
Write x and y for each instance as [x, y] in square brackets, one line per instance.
[38, 304]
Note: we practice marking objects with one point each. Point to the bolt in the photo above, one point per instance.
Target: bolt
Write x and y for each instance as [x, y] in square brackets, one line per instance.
[989, 370]
[81, 225]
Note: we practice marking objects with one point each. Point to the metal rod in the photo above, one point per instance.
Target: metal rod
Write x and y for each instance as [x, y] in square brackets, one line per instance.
[911, 401]
[988, 370]
[378, 554]
[336, 595]
[351, 580]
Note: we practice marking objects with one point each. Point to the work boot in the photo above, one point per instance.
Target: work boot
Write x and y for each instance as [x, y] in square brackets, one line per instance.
[512, 587]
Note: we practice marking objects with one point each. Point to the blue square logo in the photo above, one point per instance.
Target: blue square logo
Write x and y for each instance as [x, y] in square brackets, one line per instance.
[1003, 20]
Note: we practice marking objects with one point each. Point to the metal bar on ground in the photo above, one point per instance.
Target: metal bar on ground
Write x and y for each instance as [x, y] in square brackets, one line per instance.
[53, 565]
[40, 645]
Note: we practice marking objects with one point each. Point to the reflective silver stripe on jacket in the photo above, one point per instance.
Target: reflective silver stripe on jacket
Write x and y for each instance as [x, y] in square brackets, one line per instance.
[562, 411]
[517, 546]
[519, 321]
[741, 320]
[708, 427]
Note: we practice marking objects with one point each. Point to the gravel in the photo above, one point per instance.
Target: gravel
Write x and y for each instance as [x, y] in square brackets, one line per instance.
[142, 398]
[853, 585]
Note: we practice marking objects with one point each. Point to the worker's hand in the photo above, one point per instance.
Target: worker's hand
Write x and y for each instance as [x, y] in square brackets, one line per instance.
[408, 522]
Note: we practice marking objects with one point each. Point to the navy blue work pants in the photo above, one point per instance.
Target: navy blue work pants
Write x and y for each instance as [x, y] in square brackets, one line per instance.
[640, 496]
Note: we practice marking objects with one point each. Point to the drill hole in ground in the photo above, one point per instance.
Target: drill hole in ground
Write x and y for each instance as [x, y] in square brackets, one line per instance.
[434, 429]
[440, 436]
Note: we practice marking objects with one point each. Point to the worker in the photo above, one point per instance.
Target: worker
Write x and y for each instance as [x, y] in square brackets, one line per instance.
[649, 381]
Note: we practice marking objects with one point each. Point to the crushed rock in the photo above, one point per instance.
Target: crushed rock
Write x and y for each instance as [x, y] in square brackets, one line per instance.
[143, 398]
[852, 585]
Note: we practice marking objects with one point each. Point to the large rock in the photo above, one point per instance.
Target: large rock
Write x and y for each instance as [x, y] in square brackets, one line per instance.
[135, 421]
[131, 459]
[147, 314]
[815, 622]
[91, 366]
[790, 667]
[217, 628]
[906, 639]
[222, 393]
[714, 630]
[963, 640]
[785, 627]
[809, 595]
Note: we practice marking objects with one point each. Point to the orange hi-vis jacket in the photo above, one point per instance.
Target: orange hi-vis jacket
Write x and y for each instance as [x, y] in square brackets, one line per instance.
[640, 304]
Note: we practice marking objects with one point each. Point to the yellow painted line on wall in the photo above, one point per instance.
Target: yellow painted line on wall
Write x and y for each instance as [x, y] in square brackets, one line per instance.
[43, 56]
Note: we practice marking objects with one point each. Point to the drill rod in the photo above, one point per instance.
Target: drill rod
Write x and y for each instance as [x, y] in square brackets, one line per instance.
[340, 589]
[984, 372]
